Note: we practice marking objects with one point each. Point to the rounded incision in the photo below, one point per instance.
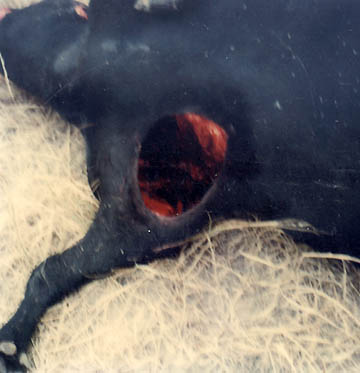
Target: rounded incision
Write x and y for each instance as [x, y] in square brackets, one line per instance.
[180, 159]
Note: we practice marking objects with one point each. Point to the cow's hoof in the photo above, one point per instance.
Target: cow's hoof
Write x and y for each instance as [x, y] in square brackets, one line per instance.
[11, 361]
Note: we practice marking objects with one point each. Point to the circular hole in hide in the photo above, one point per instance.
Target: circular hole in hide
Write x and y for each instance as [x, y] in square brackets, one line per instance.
[180, 158]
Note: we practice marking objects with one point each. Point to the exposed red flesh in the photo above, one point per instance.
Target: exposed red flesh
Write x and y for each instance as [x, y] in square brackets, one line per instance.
[199, 149]
[158, 206]
[211, 137]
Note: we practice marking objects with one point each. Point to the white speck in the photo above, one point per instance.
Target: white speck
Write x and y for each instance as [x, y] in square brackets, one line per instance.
[109, 46]
[232, 48]
[289, 36]
[146, 5]
[67, 59]
[138, 47]
[149, 230]
[355, 52]
[142, 5]
[277, 105]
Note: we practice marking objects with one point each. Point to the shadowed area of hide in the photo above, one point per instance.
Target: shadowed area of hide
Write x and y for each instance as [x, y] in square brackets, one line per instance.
[241, 298]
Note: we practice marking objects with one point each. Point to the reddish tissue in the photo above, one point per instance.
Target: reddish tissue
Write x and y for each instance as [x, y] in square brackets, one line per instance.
[179, 163]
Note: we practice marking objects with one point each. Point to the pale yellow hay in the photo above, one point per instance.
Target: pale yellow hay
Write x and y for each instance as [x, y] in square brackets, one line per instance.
[45, 204]
[17, 3]
[22, 3]
[239, 299]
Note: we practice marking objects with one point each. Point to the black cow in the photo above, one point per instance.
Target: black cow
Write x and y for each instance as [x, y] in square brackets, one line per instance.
[233, 108]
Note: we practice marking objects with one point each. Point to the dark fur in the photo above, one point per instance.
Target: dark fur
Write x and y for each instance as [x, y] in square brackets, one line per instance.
[281, 76]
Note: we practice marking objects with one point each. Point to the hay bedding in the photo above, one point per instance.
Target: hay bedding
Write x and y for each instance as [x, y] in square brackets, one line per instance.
[240, 299]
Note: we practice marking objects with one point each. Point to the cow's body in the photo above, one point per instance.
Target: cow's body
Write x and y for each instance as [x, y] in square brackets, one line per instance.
[282, 77]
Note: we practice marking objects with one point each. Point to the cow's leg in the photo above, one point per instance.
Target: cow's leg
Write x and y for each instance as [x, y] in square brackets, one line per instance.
[48, 283]
[97, 254]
